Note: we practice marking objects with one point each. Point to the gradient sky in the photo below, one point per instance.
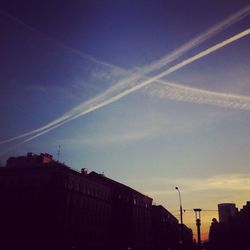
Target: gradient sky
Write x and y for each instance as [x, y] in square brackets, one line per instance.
[58, 54]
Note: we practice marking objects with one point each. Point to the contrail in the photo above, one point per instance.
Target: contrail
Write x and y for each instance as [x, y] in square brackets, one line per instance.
[125, 83]
[102, 100]
[244, 12]
[179, 92]
[168, 58]
[175, 54]
[166, 72]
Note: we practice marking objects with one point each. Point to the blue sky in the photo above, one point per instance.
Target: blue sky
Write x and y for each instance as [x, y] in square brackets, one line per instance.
[60, 54]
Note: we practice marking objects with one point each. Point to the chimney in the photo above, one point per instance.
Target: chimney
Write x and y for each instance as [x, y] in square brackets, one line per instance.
[84, 171]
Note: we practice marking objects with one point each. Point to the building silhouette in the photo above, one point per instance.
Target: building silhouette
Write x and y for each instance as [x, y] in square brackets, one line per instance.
[47, 205]
[165, 228]
[226, 211]
[131, 215]
[233, 230]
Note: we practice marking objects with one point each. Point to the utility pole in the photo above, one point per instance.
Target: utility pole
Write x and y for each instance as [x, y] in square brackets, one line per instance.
[198, 224]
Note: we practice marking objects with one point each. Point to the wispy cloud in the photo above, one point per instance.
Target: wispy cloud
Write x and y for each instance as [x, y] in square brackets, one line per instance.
[118, 138]
[232, 181]
[173, 91]
[236, 182]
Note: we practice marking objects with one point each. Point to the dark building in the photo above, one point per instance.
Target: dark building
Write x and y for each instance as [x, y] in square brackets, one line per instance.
[166, 230]
[131, 215]
[168, 233]
[47, 205]
[187, 238]
[29, 160]
[232, 233]
[226, 211]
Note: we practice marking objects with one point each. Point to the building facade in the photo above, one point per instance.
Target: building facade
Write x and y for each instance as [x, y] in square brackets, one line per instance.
[47, 205]
[131, 215]
[165, 228]
[226, 211]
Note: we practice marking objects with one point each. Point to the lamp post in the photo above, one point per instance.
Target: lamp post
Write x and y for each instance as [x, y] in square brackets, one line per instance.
[181, 236]
[198, 224]
[180, 204]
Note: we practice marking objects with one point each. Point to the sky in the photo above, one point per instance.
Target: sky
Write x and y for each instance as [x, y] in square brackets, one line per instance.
[155, 94]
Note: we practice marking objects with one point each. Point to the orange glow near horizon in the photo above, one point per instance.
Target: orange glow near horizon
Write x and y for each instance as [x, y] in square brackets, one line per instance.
[206, 219]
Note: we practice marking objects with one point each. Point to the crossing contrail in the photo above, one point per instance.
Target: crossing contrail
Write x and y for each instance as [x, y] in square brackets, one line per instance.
[130, 81]
[127, 85]
[166, 59]
[234, 18]
[156, 65]
[177, 53]
[105, 99]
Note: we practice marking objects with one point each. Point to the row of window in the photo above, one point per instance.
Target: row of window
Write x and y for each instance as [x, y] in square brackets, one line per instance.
[87, 188]
[87, 203]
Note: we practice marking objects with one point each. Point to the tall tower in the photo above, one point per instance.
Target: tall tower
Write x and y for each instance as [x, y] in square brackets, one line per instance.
[226, 211]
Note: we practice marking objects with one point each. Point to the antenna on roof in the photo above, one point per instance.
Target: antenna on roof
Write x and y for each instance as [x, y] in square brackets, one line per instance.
[58, 152]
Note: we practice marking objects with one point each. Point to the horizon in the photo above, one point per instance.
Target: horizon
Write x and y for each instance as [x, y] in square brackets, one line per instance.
[176, 213]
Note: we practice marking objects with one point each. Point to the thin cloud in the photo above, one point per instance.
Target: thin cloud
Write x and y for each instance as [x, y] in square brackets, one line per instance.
[179, 92]
[112, 139]
[218, 183]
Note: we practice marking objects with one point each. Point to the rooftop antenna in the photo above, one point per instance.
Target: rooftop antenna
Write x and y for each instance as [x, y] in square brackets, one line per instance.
[58, 152]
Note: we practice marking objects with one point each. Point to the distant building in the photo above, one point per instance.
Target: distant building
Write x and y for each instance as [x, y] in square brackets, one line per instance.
[131, 215]
[166, 232]
[245, 211]
[233, 230]
[226, 211]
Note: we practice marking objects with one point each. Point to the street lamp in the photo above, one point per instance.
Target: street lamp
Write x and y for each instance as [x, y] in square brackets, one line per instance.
[181, 234]
[198, 223]
[180, 204]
